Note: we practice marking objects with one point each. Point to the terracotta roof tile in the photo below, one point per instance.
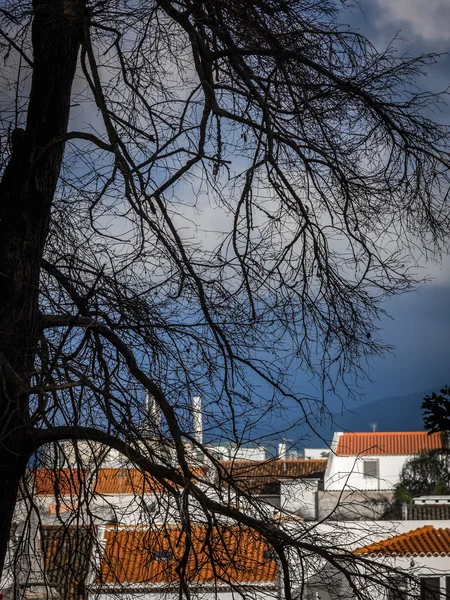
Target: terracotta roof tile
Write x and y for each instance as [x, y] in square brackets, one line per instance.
[69, 482]
[256, 476]
[139, 555]
[428, 512]
[387, 443]
[62, 482]
[65, 568]
[425, 541]
[126, 481]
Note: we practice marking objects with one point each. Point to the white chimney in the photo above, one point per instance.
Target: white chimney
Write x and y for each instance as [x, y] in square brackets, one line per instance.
[197, 419]
[282, 449]
[153, 411]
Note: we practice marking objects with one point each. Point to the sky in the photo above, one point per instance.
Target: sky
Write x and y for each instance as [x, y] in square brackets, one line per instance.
[420, 324]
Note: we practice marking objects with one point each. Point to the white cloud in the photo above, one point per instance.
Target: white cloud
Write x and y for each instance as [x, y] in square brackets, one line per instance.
[429, 20]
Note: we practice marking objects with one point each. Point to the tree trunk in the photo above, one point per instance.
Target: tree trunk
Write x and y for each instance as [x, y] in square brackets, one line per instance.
[11, 471]
[26, 194]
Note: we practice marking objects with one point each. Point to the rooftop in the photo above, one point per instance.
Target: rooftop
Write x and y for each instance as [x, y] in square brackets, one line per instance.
[65, 569]
[250, 475]
[425, 541]
[428, 512]
[387, 443]
[253, 476]
[152, 556]
[70, 482]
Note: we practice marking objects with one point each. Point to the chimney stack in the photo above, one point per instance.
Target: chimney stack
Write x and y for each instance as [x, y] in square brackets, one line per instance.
[197, 419]
[282, 449]
[153, 412]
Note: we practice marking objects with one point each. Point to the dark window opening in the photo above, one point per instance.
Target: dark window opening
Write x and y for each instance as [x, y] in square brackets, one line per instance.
[398, 589]
[272, 488]
[430, 588]
[162, 555]
[370, 468]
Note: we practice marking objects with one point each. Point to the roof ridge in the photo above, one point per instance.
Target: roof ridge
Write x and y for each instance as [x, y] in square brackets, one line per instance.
[386, 443]
[269, 461]
[384, 432]
[417, 534]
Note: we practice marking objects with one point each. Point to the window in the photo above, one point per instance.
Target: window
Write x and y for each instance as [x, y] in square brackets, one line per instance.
[398, 589]
[430, 588]
[370, 468]
[269, 555]
[271, 488]
[447, 588]
[162, 555]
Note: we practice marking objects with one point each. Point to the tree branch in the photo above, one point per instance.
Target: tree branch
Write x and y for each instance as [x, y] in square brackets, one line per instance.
[138, 374]
[16, 47]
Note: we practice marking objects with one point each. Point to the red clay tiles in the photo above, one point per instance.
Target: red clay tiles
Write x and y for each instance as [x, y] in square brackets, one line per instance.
[387, 443]
[423, 541]
[60, 482]
[69, 482]
[255, 476]
[226, 554]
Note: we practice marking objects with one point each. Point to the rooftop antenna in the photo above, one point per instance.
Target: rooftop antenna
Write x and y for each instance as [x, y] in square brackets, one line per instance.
[197, 419]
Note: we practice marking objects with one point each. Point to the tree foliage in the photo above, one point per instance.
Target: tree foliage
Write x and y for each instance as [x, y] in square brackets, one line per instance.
[437, 411]
[427, 474]
[199, 198]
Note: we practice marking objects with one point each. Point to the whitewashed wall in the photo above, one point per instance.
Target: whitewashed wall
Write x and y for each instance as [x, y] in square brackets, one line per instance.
[346, 472]
[128, 593]
[413, 567]
[232, 452]
[311, 453]
[299, 496]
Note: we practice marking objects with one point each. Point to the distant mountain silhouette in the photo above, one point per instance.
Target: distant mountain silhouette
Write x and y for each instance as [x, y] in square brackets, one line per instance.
[395, 413]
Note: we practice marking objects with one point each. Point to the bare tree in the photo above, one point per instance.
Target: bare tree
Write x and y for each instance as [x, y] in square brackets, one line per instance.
[197, 197]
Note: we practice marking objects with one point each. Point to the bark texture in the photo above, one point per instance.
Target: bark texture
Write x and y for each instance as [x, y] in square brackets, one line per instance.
[26, 194]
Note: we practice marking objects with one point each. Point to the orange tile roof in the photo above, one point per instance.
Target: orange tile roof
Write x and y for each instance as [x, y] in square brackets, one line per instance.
[61, 482]
[227, 554]
[69, 482]
[387, 443]
[424, 541]
[126, 481]
[254, 476]
[68, 553]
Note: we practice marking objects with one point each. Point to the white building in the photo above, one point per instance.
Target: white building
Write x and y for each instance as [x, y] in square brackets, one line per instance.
[312, 453]
[373, 461]
[290, 485]
[119, 498]
[232, 451]
[414, 564]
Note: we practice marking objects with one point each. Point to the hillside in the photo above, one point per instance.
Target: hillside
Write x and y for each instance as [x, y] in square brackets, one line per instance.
[395, 413]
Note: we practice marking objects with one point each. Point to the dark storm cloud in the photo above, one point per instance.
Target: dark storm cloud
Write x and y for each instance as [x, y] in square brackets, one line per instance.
[421, 28]
[419, 329]
[420, 324]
